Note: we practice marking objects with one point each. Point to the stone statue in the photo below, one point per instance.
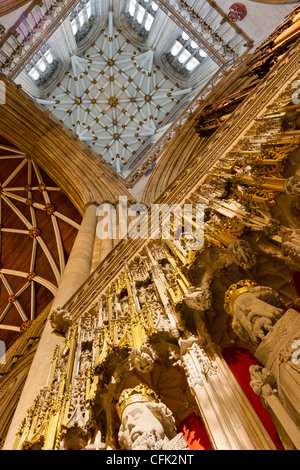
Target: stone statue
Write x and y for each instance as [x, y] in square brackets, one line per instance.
[198, 298]
[242, 254]
[255, 310]
[146, 422]
[278, 382]
[292, 186]
[279, 352]
[260, 317]
[146, 295]
[142, 359]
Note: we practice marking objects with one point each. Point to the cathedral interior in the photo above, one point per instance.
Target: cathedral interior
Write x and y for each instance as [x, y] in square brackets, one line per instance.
[189, 340]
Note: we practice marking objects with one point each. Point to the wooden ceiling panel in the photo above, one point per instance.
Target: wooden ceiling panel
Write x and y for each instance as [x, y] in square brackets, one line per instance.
[9, 337]
[12, 317]
[38, 228]
[13, 248]
[42, 266]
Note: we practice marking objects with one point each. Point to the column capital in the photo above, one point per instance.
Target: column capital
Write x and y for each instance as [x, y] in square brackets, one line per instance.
[91, 203]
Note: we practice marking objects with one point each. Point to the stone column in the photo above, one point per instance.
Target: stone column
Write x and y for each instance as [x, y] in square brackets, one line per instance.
[78, 267]
[76, 272]
[229, 418]
[105, 235]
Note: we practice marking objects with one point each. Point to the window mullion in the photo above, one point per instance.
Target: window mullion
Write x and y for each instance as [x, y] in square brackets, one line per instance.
[85, 14]
[188, 60]
[136, 11]
[141, 13]
[144, 19]
[179, 52]
[195, 51]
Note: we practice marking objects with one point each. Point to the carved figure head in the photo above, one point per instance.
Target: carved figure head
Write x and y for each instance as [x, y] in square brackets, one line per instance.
[255, 310]
[146, 423]
[142, 359]
[292, 186]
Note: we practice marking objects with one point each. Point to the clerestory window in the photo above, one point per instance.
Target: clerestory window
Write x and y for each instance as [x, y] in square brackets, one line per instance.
[142, 13]
[42, 65]
[81, 18]
[185, 55]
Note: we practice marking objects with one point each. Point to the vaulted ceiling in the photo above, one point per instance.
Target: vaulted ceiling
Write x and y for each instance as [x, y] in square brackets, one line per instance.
[38, 225]
[114, 97]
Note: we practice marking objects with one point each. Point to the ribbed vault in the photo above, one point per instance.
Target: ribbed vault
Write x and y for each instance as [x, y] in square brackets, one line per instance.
[75, 169]
[114, 97]
[38, 225]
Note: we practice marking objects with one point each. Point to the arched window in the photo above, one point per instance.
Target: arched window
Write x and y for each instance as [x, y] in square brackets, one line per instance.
[142, 14]
[185, 55]
[42, 65]
[81, 18]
